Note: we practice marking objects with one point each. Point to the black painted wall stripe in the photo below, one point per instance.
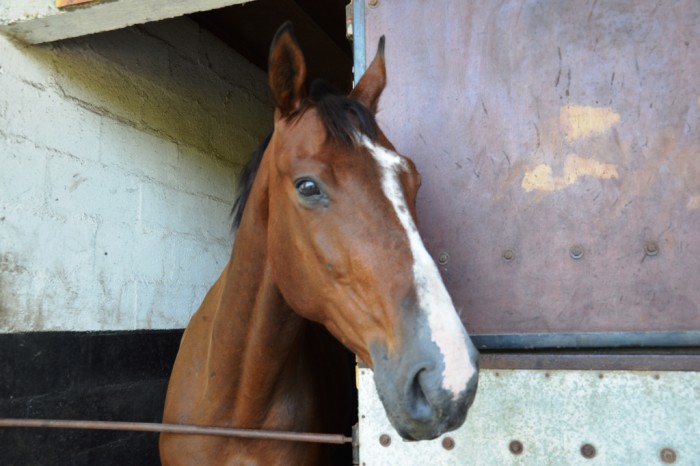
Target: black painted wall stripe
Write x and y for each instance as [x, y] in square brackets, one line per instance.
[112, 376]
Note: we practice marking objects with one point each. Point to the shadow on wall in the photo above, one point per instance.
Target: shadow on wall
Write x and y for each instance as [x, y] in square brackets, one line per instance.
[158, 76]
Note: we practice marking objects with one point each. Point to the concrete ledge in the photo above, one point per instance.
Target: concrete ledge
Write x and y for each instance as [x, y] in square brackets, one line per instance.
[39, 21]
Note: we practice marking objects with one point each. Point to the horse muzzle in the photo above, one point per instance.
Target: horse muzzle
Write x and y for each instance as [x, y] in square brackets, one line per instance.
[411, 386]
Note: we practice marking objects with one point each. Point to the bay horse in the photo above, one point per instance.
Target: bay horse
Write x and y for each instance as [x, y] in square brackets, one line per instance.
[326, 244]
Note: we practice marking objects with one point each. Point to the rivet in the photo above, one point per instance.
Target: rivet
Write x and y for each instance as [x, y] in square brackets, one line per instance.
[651, 248]
[508, 255]
[587, 450]
[668, 455]
[373, 3]
[516, 447]
[576, 252]
[448, 443]
[443, 258]
[385, 440]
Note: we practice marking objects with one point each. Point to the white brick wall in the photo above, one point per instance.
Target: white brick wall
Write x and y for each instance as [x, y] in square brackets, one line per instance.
[118, 157]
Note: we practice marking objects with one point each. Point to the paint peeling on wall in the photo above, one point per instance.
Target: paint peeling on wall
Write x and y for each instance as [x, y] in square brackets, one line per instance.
[694, 202]
[541, 177]
[581, 121]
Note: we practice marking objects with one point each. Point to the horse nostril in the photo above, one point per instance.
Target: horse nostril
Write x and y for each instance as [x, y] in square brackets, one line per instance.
[419, 406]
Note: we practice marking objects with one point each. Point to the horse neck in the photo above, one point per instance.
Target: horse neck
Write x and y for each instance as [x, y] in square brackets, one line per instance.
[256, 338]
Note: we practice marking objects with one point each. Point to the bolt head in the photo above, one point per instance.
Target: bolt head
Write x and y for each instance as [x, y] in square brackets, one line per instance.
[385, 440]
[576, 252]
[508, 255]
[651, 248]
[448, 443]
[588, 450]
[516, 447]
[668, 455]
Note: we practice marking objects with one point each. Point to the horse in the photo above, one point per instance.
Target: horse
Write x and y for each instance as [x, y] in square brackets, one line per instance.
[326, 256]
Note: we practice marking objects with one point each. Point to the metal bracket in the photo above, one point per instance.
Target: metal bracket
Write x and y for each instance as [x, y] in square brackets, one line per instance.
[358, 39]
[356, 444]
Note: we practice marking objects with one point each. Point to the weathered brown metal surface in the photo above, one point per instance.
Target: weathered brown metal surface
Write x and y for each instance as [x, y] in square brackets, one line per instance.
[559, 144]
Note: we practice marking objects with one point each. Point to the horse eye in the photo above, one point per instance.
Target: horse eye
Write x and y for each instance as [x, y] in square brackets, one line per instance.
[308, 188]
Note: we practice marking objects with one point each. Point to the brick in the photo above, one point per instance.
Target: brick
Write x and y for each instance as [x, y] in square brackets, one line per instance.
[31, 64]
[114, 250]
[108, 50]
[116, 303]
[48, 120]
[182, 35]
[196, 262]
[201, 174]
[50, 285]
[70, 251]
[163, 305]
[178, 212]
[101, 79]
[84, 188]
[152, 253]
[16, 307]
[22, 175]
[44, 242]
[135, 151]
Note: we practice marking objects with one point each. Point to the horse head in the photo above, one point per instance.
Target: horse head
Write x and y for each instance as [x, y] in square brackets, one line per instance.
[344, 249]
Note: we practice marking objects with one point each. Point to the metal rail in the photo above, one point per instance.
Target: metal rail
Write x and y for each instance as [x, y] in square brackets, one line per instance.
[594, 340]
[176, 429]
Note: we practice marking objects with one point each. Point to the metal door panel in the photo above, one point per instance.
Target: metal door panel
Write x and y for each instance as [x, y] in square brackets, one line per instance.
[614, 417]
[559, 144]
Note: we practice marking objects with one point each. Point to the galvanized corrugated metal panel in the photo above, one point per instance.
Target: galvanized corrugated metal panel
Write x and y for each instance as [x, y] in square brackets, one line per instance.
[623, 417]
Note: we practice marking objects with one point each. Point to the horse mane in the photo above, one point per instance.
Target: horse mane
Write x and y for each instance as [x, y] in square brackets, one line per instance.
[343, 117]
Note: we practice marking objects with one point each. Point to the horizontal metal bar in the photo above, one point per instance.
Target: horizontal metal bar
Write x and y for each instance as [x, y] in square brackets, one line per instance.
[176, 429]
[527, 341]
[673, 361]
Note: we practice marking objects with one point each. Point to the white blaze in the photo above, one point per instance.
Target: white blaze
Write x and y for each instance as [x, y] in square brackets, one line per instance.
[445, 327]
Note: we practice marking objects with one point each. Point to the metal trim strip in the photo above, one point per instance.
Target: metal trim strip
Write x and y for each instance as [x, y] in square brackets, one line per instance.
[670, 360]
[528, 341]
[358, 39]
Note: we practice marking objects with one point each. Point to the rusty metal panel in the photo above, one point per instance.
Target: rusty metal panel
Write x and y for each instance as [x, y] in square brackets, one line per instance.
[559, 144]
[539, 418]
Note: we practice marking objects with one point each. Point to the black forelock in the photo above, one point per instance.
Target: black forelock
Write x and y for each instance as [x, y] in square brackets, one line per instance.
[344, 119]
[342, 116]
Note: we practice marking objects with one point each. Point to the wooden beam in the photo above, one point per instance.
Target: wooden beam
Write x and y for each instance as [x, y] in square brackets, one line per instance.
[38, 21]
[67, 3]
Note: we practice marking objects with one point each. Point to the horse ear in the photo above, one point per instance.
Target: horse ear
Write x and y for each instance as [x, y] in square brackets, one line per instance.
[286, 70]
[372, 83]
